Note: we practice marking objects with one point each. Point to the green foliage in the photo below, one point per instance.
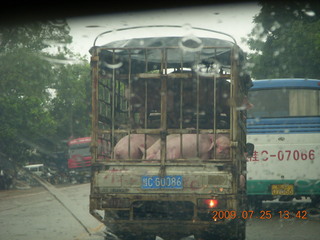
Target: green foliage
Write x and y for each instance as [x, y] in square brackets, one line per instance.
[24, 118]
[286, 40]
[72, 104]
[43, 99]
[35, 36]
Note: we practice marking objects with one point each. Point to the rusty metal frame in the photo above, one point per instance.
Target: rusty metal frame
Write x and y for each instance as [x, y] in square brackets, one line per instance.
[237, 136]
[164, 77]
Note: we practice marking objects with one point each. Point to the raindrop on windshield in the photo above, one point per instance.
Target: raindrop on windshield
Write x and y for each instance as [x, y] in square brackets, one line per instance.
[207, 68]
[113, 65]
[190, 43]
[309, 13]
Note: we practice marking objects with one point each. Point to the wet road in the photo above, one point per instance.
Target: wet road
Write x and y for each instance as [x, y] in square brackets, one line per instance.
[35, 214]
[283, 229]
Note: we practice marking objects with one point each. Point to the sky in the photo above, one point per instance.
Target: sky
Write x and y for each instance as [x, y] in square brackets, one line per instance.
[235, 19]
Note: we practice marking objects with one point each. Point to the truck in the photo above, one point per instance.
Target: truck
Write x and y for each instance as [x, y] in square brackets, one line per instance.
[79, 159]
[173, 108]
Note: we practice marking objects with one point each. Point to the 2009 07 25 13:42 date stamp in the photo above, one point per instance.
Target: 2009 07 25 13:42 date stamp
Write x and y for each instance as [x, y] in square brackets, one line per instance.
[263, 214]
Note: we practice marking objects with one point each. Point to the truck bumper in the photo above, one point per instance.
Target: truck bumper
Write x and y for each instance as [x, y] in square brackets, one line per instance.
[167, 229]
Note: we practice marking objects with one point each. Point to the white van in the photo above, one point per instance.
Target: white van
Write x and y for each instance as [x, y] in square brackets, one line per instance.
[37, 169]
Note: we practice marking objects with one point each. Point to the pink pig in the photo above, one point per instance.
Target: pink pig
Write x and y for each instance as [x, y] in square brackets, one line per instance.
[152, 151]
[137, 144]
[222, 146]
[189, 143]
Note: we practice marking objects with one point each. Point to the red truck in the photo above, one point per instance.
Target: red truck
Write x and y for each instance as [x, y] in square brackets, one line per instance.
[79, 159]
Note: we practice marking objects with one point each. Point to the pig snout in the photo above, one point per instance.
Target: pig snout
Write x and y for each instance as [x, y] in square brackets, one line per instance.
[222, 146]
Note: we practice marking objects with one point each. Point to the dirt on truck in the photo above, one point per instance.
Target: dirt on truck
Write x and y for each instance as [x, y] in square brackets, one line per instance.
[173, 108]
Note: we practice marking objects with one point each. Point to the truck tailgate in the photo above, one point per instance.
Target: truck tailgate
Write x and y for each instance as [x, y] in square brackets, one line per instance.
[146, 179]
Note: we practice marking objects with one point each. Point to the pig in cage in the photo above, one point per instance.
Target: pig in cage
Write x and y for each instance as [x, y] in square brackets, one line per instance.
[164, 100]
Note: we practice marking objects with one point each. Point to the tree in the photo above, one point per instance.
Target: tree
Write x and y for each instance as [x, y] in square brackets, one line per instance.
[28, 128]
[35, 36]
[71, 106]
[286, 40]
[25, 120]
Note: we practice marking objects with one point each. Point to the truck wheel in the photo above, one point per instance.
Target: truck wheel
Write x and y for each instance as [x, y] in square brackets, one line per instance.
[209, 236]
[126, 236]
[241, 231]
[237, 229]
[254, 203]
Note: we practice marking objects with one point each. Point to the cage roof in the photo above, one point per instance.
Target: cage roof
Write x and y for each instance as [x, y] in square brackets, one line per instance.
[177, 51]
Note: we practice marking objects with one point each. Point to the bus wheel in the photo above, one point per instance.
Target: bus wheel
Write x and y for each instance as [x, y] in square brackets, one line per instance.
[315, 201]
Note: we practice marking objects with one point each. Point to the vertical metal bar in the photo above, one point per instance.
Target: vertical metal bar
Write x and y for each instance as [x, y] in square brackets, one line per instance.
[113, 97]
[163, 137]
[118, 98]
[233, 92]
[197, 110]
[145, 113]
[163, 93]
[130, 107]
[95, 82]
[146, 91]
[146, 103]
[234, 118]
[163, 117]
[146, 59]
[105, 95]
[165, 61]
[181, 102]
[214, 111]
[181, 114]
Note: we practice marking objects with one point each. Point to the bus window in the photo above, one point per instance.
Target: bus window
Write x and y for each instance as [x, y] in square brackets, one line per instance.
[285, 102]
[304, 102]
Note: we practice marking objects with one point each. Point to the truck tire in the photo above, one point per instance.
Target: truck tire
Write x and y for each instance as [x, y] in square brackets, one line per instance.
[236, 230]
[254, 203]
[241, 235]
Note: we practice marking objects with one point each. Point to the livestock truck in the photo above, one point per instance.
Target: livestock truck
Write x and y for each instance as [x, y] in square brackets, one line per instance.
[173, 108]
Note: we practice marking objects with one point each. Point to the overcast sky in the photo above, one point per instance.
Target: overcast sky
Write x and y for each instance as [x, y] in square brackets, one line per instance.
[233, 19]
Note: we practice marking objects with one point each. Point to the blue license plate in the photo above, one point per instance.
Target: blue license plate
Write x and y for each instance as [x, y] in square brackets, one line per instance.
[157, 182]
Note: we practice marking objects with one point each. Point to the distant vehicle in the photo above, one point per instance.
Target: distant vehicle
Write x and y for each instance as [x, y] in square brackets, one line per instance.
[37, 169]
[284, 126]
[79, 159]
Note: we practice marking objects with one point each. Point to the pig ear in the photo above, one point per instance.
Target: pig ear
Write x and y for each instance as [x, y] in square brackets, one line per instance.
[212, 143]
[142, 150]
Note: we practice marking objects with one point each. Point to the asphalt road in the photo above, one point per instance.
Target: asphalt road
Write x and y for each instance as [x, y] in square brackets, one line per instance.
[35, 214]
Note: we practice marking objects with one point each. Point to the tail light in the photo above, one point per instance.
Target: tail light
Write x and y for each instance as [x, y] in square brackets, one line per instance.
[208, 203]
